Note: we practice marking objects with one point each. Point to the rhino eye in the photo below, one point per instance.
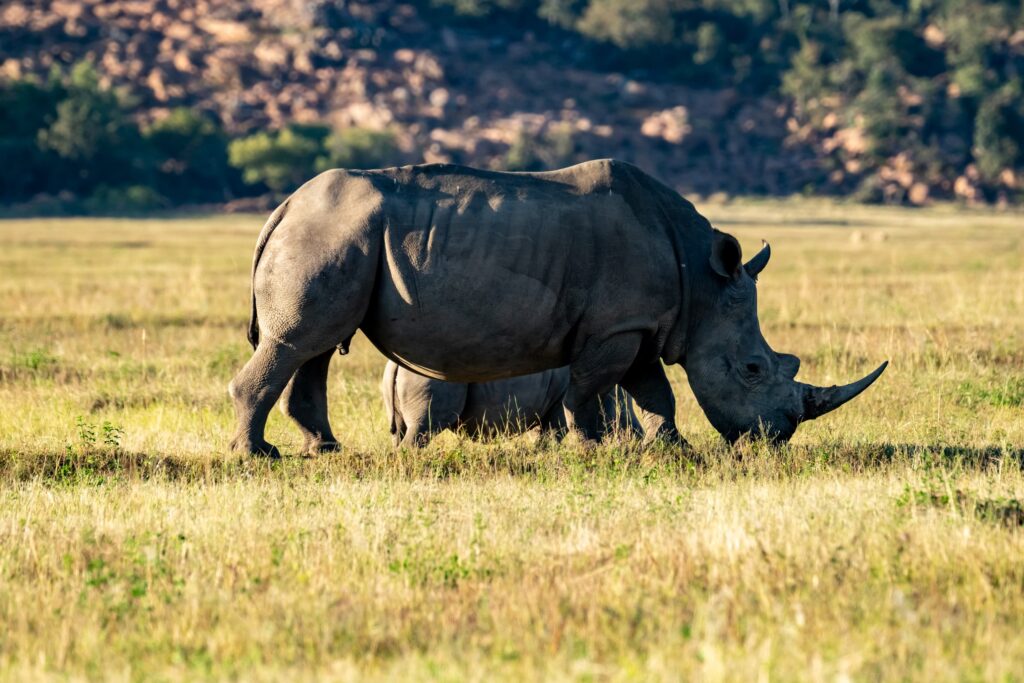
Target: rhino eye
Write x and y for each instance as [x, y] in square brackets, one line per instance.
[753, 368]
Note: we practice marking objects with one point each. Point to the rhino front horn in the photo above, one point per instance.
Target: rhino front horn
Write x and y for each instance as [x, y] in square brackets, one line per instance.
[821, 400]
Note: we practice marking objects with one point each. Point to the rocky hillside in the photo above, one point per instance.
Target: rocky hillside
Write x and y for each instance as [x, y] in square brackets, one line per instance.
[449, 93]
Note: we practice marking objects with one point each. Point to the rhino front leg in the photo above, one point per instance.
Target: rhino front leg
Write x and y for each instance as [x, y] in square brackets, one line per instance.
[617, 414]
[655, 402]
[254, 391]
[305, 401]
[595, 371]
[553, 422]
[422, 428]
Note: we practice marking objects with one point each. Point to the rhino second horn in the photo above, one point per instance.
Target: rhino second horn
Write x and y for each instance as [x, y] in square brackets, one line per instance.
[821, 400]
[755, 265]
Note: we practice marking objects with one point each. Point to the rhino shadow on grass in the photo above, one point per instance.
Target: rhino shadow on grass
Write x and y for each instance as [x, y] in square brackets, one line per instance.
[107, 465]
[468, 275]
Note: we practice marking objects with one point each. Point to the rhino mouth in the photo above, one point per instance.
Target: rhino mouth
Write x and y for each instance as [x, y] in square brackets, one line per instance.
[776, 433]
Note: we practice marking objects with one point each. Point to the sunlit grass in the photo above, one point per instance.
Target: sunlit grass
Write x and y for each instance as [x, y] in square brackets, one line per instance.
[883, 544]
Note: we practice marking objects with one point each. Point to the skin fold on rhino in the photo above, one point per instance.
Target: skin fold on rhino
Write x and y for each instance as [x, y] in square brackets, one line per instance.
[469, 275]
[418, 407]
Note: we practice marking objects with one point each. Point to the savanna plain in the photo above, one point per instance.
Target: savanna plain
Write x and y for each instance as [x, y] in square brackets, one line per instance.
[884, 543]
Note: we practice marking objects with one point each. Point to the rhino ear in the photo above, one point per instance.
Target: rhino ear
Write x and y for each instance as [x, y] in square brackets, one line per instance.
[755, 265]
[726, 255]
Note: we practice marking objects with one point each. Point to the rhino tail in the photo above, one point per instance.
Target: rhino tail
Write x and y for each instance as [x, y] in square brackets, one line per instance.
[272, 222]
[388, 390]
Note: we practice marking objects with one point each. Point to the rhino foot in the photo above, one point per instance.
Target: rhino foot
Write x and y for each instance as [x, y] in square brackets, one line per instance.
[577, 439]
[321, 446]
[668, 438]
[245, 446]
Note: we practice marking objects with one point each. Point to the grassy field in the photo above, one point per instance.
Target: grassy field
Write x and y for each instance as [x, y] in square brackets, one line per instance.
[884, 543]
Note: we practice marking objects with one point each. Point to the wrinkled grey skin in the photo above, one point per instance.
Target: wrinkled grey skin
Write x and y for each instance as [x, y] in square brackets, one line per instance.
[469, 276]
[418, 407]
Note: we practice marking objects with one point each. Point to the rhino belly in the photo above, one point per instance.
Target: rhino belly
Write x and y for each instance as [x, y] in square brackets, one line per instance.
[468, 327]
[516, 403]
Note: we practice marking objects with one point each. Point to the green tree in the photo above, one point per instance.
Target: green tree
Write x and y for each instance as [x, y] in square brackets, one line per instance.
[629, 24]
[91, 134]
[999, 131]
[24, 106]
[190, 150]
[282, 160]
[359, 148]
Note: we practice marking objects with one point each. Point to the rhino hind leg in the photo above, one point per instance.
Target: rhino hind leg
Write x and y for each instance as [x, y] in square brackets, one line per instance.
[305, 401]
[421, 427]
[254, 391]
[428, 407]
[398, 432]
[312, 287]
[420, 430]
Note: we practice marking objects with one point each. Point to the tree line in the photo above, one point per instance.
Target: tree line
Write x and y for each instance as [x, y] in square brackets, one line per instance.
[71, 144]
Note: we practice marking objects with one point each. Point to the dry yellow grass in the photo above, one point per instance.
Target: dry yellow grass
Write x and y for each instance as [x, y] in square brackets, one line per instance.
[885, 543]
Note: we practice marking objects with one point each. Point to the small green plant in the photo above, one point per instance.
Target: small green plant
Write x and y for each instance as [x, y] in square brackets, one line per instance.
[86, 433]
[1008, 511]
[92, 437]
[112, 435]
[34, 360]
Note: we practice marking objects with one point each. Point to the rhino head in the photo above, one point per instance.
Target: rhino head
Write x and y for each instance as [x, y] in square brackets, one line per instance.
[743, 386]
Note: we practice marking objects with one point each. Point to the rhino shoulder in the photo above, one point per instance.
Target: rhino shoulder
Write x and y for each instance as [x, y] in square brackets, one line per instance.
[637, 187]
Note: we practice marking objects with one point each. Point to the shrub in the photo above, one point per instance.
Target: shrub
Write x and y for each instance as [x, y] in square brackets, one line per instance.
[359, 148]
[129, 199]
[484, 8]
[628, 24]
[555, 148]
[523, 154]
[283, 160]
[561, 13]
